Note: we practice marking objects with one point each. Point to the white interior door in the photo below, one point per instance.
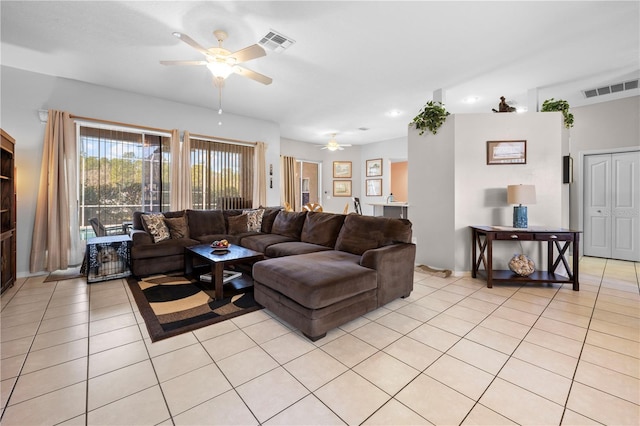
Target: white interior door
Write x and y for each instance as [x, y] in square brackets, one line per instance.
[611, 205]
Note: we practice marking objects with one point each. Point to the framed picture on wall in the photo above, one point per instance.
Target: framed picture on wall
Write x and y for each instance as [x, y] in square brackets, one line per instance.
[374, 187]
[342, 188]
[342, 169]
[506, 152]
[374, 167]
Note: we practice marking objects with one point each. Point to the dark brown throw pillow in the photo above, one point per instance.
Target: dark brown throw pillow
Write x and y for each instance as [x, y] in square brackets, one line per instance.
[238, 224]
[177, 227]
[289, 224]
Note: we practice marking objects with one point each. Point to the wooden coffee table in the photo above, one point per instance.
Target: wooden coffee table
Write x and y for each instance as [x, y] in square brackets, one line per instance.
[218, 260]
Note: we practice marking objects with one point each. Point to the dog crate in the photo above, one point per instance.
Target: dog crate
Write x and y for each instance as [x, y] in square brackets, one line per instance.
[108, 258]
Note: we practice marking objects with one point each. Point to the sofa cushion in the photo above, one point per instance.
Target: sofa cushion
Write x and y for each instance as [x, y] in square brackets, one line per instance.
[137, 217]
[154, 224]
[316, 280]
[254, 219]
[161, 249]
[322, 228]
[260, 241]
[268, 217]
[293, 248]
[177, 227]
[361, 233]
[289, 224]
[238, 224]
[205, 222]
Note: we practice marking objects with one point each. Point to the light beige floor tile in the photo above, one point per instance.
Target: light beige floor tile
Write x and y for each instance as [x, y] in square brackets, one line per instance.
[376, 335]
[18, 332]
[246, 365]
[413, 353]
[111, 324]
[20, 319]
[466, 314]
[434, 337]
[451, 324]
[110, 299]
[55, 355]
[228, 344]
[501, 325]
[589, 402]
[554, 342]
[570, 307]
[110, 311]
[215, 330]
[521, 305]
[189, 390]
[171, 344]
[118, 357]
[486, 295]
[315, 369]
[463, 287]
[434, 401]
[10, 367]
[493, 339]
[63, 310]
[480, 356]
[583, 298]
[417, 312]
[266, 330]
[120, 383]
[571, 418]
[432, 304]
[620, 307]
[308, 411]
[48, 380]
[115, 338]
[64, 322]
[516, 315]
[566, 317]
[144, 407]
[349, 350]
[520, 405]
[351, 397]
[380, 312]
[612, 360]
[180, 361]
[287, 347]
[226, 409]
[631, 333]
[481, 415]
[561, 328]
[15, 347]
[531, 298]
[537, 380]
[616, 344]
[50, 408]
[398, 322]
[478, 305]
[251, 318]
[615, 318]
[271, 393]
[355, 324]
[394, 413]
[606, 380]
[447, 296]
[556, 362]
[386, 372]
[460, 376]
[6, 387]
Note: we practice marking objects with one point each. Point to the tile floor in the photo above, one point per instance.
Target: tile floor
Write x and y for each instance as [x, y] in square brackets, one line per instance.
[454, 352]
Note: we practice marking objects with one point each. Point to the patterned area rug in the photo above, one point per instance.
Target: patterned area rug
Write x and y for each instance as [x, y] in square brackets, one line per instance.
[173, 304]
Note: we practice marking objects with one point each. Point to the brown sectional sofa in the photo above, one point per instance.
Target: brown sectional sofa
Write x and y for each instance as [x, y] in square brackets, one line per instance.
[322, 269]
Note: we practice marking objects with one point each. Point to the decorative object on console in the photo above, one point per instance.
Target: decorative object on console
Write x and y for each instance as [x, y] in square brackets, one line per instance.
[551, 105]
[431, 116]
[503, 106]
[522, 265]
[521, 194]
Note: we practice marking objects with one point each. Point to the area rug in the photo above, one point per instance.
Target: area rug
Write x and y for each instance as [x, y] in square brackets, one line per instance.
[173, 304]
[64, 274]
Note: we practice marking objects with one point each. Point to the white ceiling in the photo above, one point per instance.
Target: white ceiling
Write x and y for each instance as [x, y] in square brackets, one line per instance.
[352, 61]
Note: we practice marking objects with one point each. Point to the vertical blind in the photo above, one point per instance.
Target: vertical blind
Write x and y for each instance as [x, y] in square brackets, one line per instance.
[222, 174]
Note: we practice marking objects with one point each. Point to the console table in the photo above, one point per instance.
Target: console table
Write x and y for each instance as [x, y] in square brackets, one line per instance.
[558, 238]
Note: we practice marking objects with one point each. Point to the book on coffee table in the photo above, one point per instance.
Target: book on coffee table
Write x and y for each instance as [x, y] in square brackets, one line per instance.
[226, 276]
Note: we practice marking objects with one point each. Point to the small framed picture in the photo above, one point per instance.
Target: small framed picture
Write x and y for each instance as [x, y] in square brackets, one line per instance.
[342, 188]
[506, 152]
[374, 187]
[342, 169]
[374, 167]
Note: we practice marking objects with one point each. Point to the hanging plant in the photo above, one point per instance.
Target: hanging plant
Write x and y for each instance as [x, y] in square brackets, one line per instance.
[551, 105]
[431, 117]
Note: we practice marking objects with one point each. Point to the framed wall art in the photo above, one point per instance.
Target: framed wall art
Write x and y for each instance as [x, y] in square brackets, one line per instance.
[507, 152]
[374, 167]
[342, 188]
[374, 187]
[342, 169]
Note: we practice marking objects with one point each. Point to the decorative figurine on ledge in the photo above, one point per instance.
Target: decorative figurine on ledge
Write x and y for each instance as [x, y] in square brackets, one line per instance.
[503, 106]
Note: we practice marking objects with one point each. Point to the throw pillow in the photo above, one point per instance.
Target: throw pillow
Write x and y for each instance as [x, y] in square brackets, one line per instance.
[154, 224]
[177, 227]
[238, 224]
[254, 218]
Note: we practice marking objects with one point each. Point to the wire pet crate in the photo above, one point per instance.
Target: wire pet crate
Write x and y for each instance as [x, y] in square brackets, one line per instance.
[108, 258]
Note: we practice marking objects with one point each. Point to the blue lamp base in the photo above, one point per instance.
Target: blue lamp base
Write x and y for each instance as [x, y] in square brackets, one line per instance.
[520, 217]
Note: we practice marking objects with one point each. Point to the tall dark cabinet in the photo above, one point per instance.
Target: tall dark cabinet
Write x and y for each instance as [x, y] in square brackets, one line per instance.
[7, 211]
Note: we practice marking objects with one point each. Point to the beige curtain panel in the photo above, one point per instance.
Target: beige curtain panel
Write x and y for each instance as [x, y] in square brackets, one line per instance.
[288, 181]
[56, 242]
[260, 176]
[180, 172]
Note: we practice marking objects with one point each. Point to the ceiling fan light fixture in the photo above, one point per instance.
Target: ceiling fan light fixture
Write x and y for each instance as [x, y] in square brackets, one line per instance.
[220, 69]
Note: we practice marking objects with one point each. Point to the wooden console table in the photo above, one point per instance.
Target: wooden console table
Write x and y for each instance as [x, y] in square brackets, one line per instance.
[561, 239]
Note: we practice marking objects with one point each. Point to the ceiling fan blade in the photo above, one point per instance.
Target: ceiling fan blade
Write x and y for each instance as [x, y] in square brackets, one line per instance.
[184, 62]
[191, 42]
[347, 144]
[248, 53]
[261, 78]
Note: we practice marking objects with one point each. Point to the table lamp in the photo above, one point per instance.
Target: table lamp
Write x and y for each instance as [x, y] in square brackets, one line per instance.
[521, 194]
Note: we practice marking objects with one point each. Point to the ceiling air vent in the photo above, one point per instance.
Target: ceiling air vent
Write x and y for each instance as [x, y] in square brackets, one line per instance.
[614, 88]
[276, 41]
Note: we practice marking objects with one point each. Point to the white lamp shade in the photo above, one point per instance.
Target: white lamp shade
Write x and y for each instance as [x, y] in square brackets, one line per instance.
[521, 194]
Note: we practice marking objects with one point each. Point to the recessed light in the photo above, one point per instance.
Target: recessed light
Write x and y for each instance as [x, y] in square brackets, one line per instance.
[471, 99]
[394, 113]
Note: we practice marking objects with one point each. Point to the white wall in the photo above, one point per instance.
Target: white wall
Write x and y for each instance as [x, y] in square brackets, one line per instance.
[24, 93]
[451, 187]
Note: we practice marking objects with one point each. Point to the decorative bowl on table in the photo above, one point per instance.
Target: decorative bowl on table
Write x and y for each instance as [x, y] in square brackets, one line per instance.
[220, 246]
[521, 265]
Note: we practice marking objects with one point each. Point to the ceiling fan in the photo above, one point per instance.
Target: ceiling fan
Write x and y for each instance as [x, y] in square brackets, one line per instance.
[221, 62]
[333, 145]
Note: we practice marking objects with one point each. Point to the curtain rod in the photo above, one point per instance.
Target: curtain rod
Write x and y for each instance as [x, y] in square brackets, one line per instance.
[215, 138]
[117, 123]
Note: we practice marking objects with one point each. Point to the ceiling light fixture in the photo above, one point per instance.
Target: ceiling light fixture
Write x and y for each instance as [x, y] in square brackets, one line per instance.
[394, 113]
[219, 69]
[471, 99]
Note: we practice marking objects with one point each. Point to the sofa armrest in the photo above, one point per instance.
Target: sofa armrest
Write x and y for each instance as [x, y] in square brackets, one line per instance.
[140, 237]
[395, 265]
